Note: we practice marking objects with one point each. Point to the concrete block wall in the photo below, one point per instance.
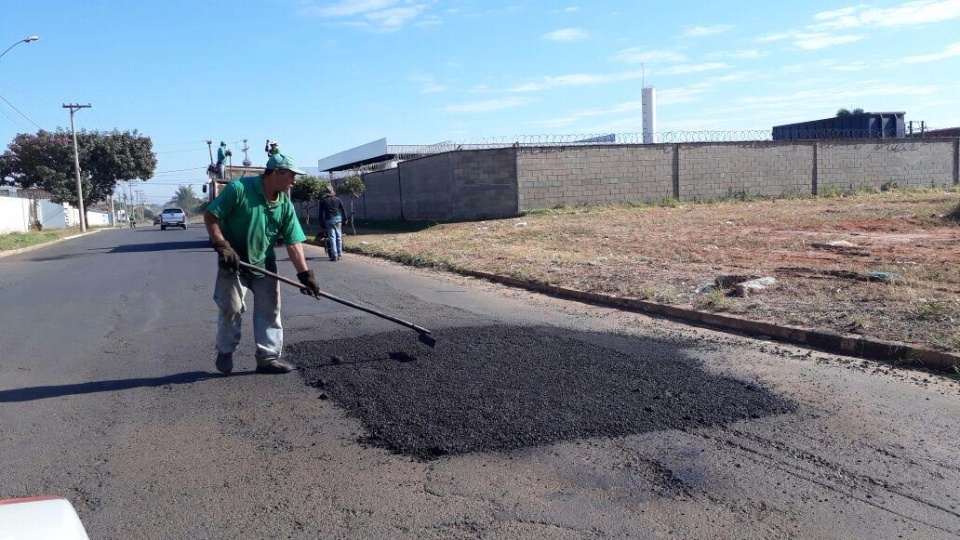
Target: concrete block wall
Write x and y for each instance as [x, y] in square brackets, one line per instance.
[457, 186]
[381, 200]
[496, 183]
[552, 176]
[485, 184]
[845, 165]
[427, 187]
[769, 169]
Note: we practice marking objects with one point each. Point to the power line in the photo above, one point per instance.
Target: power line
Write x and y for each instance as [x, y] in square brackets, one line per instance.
[180, 170]
[18, 110]
[12, 120]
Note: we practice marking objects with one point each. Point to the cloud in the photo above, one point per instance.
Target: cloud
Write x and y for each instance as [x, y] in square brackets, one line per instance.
[576, 79]
[701, 31]
[395, 17]
[622, 108]
[746, 54]
[428, 85]
[567, 34]
[684, 69]
[838, 95]
[489, 105]
[346, 8]
[812, 42]
[382, 15]
[571, 9]
[914, 13]
[951, 51]
[833, 27]
[670, 96]
[636, 55]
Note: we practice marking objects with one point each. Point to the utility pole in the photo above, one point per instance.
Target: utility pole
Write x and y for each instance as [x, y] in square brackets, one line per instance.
[246, 159]
[113, 214]
[210, 149]
[74, 107]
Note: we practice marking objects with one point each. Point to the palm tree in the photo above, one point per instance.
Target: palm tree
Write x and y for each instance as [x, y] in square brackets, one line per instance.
[186, 199]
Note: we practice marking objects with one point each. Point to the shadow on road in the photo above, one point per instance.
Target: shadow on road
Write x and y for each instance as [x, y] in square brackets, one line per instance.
[44, 392]
[162, 246]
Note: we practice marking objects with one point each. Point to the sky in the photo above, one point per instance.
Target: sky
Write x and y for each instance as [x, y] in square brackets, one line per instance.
[323, 76]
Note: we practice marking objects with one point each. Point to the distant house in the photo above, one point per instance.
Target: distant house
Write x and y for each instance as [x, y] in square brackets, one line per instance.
[882, 125]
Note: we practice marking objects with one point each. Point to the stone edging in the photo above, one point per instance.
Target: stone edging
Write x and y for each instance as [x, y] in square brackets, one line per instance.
[887, 351]
[45, 244]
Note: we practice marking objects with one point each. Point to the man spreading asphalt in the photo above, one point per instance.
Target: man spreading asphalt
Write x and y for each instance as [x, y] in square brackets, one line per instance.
[243, 223]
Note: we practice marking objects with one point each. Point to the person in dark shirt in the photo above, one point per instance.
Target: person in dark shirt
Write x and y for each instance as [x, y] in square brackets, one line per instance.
[332, 216]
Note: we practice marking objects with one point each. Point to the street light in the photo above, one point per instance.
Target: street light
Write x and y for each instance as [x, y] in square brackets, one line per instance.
[27, 39]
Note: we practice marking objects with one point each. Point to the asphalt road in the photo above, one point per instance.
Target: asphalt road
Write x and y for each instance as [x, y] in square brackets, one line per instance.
[533, 418]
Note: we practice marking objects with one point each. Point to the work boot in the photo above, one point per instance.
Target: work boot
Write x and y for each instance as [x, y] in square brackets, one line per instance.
[275, 366]
[225, 362]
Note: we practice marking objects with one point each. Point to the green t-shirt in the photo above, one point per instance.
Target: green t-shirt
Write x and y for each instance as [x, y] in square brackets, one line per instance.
[251, 224]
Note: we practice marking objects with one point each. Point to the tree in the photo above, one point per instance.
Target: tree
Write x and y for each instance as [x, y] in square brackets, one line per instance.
[186, 199]
[352, 187]
[306, 191]
[847, 112]
[46, 160]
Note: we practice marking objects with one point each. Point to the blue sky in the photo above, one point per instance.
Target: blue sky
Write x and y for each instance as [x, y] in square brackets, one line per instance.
[322, 76]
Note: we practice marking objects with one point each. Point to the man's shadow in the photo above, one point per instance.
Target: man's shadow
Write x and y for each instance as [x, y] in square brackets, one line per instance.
[44, 392]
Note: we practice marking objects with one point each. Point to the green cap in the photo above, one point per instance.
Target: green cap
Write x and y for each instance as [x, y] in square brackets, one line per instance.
[222, 143]
[280, 161]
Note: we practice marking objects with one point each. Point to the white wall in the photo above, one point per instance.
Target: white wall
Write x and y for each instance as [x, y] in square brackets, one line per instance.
[15, 215]
[52, 215]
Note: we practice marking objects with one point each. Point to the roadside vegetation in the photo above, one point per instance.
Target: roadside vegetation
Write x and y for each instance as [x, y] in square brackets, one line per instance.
[17, 240]
[881, 264]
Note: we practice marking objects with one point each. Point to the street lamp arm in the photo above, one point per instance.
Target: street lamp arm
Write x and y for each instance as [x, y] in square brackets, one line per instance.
[27, 39]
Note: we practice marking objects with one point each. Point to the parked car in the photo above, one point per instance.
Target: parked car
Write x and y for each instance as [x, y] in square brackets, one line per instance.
[173, 217]
[156, 220]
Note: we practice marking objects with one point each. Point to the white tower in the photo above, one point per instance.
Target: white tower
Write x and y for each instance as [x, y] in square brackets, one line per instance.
[649, 107]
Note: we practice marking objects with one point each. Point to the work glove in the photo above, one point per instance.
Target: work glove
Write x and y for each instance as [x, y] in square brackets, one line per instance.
[309, 282]
[228, 258]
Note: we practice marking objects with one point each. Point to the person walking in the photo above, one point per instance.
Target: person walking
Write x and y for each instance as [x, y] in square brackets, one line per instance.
[332, 216]
[243, 223]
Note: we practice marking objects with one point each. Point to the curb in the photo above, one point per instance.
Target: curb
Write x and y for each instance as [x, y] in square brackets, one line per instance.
[50, 243]
[891, 352]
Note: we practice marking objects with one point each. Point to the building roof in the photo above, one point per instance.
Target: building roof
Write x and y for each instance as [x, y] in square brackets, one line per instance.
[377, 151]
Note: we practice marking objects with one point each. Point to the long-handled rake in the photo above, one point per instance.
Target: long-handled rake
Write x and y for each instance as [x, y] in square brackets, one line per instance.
[422, 333]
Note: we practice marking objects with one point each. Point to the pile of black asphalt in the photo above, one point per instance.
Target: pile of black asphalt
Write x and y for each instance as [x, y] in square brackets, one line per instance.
[498, 388]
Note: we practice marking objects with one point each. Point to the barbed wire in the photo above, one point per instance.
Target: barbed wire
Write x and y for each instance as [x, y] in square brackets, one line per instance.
[403, 153]
[678, 136]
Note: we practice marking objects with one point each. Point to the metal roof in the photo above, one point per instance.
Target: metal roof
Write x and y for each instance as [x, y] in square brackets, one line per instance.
[377, 151]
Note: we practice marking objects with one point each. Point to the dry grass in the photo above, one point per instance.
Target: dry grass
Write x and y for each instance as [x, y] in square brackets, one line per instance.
[666, 253]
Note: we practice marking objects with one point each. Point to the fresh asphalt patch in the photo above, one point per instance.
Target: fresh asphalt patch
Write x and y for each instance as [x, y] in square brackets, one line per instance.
[496, 388]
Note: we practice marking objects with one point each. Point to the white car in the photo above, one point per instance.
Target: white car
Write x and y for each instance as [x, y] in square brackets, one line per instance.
[40, 518]
[173, 217]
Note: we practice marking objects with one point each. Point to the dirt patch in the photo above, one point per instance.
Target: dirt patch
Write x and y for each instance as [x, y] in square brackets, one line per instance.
[502, 388]
[826, 255]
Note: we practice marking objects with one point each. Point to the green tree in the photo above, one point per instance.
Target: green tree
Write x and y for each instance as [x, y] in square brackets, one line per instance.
[306, 192]
[354, 188]
[847, 112]
[45, 160]
[186, 199]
